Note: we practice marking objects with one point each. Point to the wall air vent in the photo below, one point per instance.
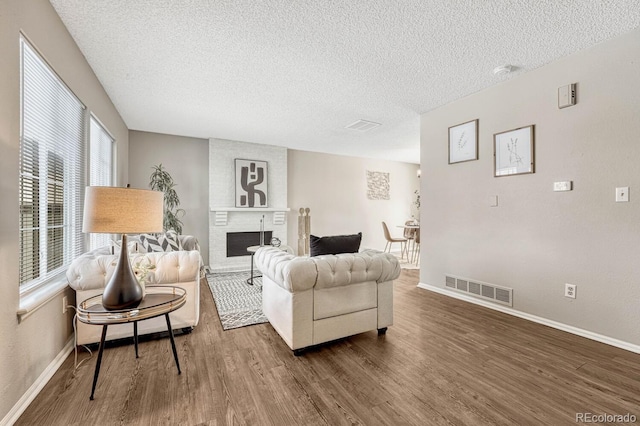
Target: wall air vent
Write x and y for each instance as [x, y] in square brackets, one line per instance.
[450, 282]
[473, 287]
[503, 295]
[462, 285]
[362, 125]
[482, 290]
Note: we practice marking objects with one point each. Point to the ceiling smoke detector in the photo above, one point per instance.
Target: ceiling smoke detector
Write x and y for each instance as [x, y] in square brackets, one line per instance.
[362, 125]
[503, 69]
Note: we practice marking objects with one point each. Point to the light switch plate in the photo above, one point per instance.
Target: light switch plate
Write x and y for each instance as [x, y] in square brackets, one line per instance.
[562, 186]
[567, 95]
[622, 194]
[493, 201]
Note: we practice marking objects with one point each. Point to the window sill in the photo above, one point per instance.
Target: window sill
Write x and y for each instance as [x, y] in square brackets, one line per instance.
[32, 300]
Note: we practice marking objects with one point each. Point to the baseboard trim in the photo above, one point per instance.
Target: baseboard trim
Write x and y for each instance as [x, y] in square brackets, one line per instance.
[14, 414]
[540, 320]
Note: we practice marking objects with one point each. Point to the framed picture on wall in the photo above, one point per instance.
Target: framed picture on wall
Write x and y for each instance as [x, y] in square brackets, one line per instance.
[513, 152]
[463, 142]
[251, 183]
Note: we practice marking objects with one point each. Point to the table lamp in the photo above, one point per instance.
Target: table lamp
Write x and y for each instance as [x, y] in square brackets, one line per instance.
[112, 210]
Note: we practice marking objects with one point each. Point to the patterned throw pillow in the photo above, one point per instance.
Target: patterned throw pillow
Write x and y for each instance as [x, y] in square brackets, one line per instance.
[132, 246]
[162, 242]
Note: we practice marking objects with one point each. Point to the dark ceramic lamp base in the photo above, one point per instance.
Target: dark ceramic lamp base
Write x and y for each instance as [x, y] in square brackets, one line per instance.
[122, 290]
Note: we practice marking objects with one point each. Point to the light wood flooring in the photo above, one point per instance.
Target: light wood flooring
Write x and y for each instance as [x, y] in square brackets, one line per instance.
[443, 362]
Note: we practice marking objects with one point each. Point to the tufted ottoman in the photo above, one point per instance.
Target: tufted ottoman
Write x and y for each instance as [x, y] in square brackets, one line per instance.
[89, 273]
[312, 300]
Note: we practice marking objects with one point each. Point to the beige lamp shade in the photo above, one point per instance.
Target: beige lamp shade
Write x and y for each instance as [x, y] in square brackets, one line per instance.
[112, 210]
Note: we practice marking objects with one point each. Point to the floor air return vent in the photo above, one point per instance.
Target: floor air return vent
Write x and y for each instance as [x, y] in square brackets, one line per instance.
[482, 290]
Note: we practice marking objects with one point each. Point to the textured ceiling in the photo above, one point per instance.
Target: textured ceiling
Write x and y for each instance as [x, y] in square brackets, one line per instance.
[295, 73]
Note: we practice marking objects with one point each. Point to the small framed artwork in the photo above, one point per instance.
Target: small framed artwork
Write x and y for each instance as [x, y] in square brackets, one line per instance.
[378, 185]
[251, 183]
[463, 142]
[513, 152]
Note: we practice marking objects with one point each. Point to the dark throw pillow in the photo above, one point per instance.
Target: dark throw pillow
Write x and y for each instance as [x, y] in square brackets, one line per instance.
[335, 244]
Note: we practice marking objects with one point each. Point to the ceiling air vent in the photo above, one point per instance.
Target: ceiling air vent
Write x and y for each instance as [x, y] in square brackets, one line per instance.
[362, 125]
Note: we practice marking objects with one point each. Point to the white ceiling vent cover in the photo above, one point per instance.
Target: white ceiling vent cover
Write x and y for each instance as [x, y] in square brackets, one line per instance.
[481, 290]
[362, 125]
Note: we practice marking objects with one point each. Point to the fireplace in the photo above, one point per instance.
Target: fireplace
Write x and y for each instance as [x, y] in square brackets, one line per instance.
[228, 224]
[237, 242]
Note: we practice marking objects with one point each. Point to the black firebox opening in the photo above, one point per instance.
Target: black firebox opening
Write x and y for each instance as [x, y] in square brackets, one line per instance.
[237, 242]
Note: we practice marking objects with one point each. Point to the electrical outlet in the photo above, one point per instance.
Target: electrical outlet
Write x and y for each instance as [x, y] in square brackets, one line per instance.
[570, 290]
[65, 303]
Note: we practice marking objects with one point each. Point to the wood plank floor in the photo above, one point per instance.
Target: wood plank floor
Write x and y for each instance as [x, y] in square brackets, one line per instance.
[443, 362]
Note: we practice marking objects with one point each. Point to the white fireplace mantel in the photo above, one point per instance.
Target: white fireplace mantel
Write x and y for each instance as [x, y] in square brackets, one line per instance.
[221, 213]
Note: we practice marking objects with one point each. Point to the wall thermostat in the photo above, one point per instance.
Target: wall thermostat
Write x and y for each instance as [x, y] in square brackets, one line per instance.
[567, 95]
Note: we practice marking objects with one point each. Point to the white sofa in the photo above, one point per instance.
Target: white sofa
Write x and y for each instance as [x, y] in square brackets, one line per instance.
[312, 300]
[89, 273]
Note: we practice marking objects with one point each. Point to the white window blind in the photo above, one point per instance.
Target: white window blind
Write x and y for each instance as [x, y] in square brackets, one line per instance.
[100, 168]
[51, 172]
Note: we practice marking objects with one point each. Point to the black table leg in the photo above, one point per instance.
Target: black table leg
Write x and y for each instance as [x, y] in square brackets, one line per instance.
[173, 343]
[251, 278]
[98, 361]
[135, 336]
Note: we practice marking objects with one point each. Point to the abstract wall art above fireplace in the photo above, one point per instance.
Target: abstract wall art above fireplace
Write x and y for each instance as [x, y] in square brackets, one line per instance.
[251, 183]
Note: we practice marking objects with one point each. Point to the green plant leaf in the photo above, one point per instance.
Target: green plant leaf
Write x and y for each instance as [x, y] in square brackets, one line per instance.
[161, 180]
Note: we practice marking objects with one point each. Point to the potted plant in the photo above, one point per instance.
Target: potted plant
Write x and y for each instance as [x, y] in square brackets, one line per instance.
[161, 180]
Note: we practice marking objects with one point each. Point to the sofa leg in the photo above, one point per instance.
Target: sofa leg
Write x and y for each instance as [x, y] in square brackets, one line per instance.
[187, 330]
[298, 352]
[382, 331]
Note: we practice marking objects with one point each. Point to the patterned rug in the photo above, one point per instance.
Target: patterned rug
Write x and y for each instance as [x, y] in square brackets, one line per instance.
[239, 304]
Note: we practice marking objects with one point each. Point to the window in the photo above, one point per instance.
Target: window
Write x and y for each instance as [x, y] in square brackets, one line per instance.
[51, 172]
[100, 168]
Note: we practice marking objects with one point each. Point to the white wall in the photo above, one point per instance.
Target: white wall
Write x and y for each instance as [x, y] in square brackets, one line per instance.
[335, 189]
[537, 240]
[186, 159]
[27, 348]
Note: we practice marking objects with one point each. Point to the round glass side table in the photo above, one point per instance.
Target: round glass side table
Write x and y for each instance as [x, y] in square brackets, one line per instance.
[158, 300]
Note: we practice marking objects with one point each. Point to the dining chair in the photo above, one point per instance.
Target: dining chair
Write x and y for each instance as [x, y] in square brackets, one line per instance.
[415, 257]
[410, 235]
[391, 240]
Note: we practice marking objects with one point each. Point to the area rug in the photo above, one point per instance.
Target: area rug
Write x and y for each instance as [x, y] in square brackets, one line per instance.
[239, 304]
[404, 263]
